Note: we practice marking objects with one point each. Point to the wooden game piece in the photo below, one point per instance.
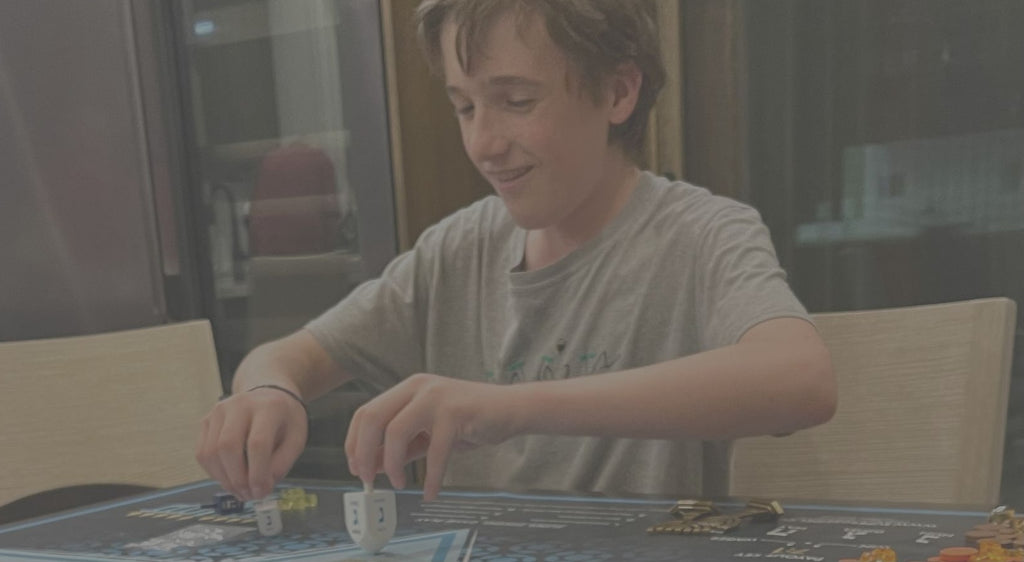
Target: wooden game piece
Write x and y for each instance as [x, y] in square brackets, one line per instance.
[699, 517]
[974, 535]
[884, 554]
[692, 509]
[756, 510]
[673, 527]
[957, 553]
[762, 510]
[685, 513]
[716, 524]
[1006, 539]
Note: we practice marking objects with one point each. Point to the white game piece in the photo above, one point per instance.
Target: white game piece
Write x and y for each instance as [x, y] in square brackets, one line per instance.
[370, 517]
[268, 516]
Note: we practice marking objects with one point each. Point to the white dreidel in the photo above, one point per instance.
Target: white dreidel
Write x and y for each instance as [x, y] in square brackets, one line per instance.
[370, 517]
[268, 516]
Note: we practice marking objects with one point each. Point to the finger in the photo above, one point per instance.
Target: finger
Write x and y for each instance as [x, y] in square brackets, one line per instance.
[417, 448]
[231, 452]
[367, 436]
[350, 442]
[366, 433]
[442, 438]
[400, 433]
[207, 449]
[288, 451]
[263, 435]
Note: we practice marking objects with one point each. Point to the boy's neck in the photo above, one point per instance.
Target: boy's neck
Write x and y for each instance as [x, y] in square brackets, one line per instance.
[548, 245]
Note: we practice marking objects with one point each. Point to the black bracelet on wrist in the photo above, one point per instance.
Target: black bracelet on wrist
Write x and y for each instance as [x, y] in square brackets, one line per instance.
[297, 398]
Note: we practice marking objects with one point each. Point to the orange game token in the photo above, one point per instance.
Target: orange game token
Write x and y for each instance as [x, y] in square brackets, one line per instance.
[884, 554]
[957, 553]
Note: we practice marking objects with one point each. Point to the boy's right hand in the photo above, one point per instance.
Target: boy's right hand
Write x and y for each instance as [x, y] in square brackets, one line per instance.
[250, 441]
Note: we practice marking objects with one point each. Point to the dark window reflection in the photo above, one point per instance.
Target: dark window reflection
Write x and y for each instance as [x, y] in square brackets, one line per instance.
[886, 142]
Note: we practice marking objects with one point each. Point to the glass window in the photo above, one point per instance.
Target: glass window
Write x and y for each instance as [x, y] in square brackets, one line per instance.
[293, 183]
[886, 153]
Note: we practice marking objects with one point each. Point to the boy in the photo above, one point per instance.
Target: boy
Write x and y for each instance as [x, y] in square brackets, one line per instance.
[593, 327]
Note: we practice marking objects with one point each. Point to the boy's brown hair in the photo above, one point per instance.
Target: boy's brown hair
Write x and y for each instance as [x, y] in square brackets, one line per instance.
[597, 36]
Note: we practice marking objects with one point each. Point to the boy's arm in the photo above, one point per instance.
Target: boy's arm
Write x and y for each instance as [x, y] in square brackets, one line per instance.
[777, 379]
[250, 440]
[296, 361]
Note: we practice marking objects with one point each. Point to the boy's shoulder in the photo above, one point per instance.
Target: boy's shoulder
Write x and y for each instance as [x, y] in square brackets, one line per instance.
[688, 206]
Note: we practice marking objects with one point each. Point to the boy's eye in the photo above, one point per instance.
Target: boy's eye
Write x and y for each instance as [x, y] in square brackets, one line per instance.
[463, 110]
[524, 103]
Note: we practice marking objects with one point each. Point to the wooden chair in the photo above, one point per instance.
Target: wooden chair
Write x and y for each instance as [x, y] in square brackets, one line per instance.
[119, 408]
[921, 417]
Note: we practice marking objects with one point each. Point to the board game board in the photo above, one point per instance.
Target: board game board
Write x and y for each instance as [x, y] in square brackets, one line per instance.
[172, 525]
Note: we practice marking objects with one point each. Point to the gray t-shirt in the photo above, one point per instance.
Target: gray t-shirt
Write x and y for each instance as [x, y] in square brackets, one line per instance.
[678, 271]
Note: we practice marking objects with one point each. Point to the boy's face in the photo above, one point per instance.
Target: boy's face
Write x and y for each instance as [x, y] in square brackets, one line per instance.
[527, 125]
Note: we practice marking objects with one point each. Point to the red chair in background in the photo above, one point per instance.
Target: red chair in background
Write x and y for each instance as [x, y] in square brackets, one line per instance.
[294, 205]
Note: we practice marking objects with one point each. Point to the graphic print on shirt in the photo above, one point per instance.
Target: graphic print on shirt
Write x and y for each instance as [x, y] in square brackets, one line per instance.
[561, 364]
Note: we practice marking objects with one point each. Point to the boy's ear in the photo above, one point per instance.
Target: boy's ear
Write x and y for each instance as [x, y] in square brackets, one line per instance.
[625, 90]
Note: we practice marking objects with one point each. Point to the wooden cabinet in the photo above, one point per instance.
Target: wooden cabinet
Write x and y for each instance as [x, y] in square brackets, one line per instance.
[432, 175]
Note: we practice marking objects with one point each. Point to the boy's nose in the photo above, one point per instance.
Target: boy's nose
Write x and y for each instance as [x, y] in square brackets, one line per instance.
[486, 138]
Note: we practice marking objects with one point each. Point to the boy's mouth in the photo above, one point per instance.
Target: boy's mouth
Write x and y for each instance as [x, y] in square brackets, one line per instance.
[510, 175]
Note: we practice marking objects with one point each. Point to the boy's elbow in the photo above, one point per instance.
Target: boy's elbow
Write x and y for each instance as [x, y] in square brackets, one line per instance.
[820, 393]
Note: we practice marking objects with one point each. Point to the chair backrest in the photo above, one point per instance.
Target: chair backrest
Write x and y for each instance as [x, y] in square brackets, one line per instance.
[921, 416]
[122, 407]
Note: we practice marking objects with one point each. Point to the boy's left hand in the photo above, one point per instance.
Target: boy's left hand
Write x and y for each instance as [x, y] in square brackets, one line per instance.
[427, 415]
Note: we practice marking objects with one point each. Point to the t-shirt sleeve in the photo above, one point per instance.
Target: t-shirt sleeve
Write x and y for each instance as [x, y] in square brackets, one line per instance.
[741, 283]
[376, 332]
